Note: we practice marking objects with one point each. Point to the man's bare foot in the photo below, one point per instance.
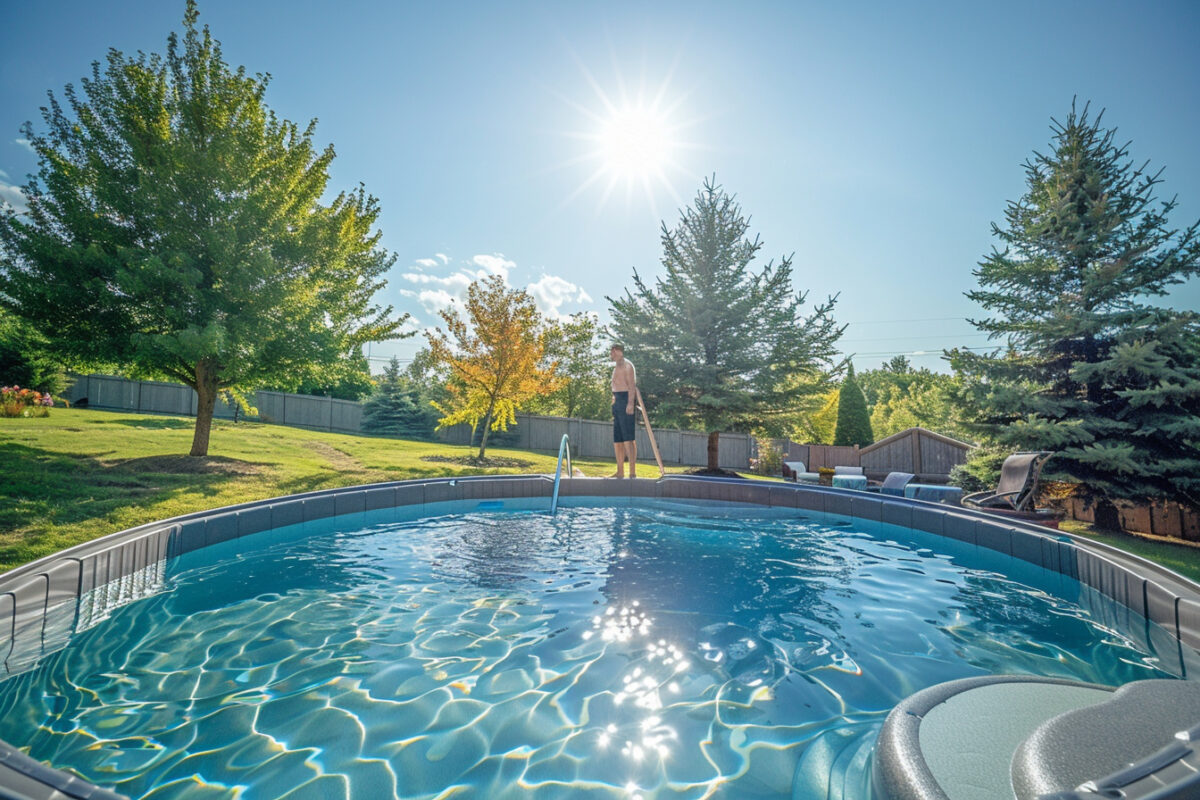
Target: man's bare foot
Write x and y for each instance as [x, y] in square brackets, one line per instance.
[617, 475]
[632, 474]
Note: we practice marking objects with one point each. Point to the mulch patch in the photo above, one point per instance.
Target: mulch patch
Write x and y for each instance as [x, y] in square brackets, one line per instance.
[713, 473]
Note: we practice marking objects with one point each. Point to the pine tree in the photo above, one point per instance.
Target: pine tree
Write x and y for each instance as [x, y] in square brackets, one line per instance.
[1093, 369]
[176, 229]
[714, 342]
[853, 420]
[395, 408]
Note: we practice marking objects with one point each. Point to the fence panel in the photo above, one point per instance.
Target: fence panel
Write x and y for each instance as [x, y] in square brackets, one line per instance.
[940, 457]
[589, 438]
[894, 456]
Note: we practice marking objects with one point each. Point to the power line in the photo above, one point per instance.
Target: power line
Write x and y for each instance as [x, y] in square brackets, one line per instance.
[915, 319]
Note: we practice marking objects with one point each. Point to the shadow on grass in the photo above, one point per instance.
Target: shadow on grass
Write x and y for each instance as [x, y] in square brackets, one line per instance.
[42, 490]
[155, 423]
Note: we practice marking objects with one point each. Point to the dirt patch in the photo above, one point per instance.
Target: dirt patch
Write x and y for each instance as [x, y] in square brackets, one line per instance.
[472, 461]
[342, 462]
[713, 473]
[188, 465]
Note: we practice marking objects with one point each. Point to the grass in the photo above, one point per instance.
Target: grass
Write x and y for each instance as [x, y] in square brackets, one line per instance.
[80, 474]
[1183, 557]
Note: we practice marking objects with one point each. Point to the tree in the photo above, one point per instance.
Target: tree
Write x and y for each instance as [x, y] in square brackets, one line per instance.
[395, 409]
[583, 389]
[496, 363]
[347, 379]
[24, 358]
[853, 421]
[900, 397]
[714, 342]
[175, 228]
[1094, 370]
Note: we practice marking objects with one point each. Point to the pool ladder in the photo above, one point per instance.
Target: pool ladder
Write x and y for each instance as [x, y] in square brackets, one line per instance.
[564, 449]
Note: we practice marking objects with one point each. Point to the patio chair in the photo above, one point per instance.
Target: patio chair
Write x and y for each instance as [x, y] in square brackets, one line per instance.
[894, 483]
[794, 471]
[1018, 483]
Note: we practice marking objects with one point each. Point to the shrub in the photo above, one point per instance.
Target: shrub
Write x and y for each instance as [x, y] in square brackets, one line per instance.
[982, 470]
[18, 402]
[770, 457]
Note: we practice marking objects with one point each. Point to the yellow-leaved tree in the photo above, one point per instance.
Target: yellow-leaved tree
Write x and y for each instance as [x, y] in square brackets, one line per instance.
[495, 357]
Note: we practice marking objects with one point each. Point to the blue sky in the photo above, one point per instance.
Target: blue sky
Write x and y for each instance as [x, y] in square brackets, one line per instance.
[875, 141]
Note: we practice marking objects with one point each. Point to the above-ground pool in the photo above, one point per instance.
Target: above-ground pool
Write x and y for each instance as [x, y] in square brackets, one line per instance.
[656, 647]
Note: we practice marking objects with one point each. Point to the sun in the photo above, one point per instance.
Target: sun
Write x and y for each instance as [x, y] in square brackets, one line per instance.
[633, 141]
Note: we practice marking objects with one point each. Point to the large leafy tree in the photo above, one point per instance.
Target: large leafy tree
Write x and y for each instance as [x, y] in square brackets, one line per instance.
[1096, 368]
[853, 420]
[718, 345]
[176, 228]
[495, 356]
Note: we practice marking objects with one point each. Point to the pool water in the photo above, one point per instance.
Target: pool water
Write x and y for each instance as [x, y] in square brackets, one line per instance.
[664, 651]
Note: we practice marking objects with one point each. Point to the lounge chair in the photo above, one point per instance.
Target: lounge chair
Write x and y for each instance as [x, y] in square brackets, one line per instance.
[794, 470]
[894, 483]
[1017, 487]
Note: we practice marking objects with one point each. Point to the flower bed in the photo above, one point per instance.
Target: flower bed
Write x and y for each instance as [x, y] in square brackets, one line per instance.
[18, 402]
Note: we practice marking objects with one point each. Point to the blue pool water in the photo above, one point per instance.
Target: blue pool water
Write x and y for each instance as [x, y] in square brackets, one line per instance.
[663, 651]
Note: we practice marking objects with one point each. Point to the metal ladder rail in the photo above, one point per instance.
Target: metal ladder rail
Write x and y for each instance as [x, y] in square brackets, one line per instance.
[564, 448]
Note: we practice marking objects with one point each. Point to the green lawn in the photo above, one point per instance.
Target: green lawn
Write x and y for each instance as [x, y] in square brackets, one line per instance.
[80, 474]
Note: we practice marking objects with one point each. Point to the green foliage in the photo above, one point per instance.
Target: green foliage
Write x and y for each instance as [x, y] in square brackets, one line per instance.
[770, 457]
[853, 420]
[347, 379]
[900, 397]
[176, 229]
[718, 346]
[584, 390]
[395, 409]
[1093, 369]
[25, 359]
[981, 472]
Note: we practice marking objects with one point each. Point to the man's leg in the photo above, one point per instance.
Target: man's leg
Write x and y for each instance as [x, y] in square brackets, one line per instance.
[619, 452]
[631, 454]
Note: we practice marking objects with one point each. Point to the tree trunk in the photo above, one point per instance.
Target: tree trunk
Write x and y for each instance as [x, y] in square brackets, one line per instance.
[206, 391]
[714, 460]
[487, 429]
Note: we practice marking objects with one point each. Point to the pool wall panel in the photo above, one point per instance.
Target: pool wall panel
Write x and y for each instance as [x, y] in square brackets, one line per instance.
[220, 528]
[254, 520]
[991, 535]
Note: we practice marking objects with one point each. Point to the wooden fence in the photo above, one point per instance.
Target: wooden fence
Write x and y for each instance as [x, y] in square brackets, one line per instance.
[928, 455]
[589, 439]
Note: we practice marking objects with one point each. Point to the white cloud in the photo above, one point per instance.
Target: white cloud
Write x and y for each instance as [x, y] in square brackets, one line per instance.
[445, 258]
[495, 264]
[435, 300]
[459, 279]
[28, 145]
[3, 175]
[427, 262]
[13, 196]
[551, 292]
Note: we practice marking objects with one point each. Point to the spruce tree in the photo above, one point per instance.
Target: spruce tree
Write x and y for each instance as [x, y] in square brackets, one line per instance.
[1094, 368]
[395, 408]
[853, 419]
[717, 344]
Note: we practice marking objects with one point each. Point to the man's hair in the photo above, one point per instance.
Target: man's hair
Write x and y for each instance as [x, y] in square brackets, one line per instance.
[620, 347]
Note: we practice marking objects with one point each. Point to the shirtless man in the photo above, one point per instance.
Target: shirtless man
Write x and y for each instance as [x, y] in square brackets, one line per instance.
[624, 391]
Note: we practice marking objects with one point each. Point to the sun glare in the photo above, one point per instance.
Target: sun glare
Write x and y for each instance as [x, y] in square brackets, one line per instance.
[632, 142]
[635, 143]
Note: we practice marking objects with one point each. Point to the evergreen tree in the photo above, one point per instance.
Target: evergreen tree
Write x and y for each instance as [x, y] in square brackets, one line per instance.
[1093, 369]
[176, 229]
[714, 342]
[395, 408]
[853, 420]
